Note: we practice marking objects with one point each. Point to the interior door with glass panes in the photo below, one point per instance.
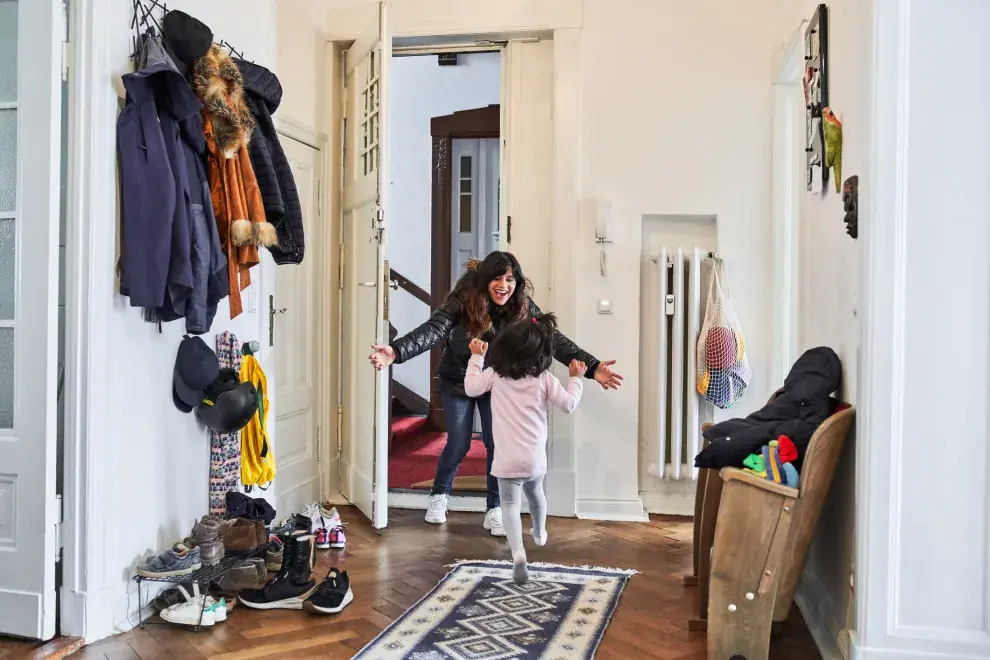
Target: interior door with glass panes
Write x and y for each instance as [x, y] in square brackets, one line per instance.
[364, 396]
[31, 34]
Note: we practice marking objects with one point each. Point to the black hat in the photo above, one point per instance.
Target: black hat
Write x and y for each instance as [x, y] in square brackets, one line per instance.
[196, 366]
[186, 38]
[228, 404]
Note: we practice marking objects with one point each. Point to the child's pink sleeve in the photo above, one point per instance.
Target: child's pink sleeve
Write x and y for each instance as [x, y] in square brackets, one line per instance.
[565, 399]
[476, 381]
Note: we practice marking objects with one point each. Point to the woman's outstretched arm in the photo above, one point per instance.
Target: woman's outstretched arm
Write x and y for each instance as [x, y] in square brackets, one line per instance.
[428, 335]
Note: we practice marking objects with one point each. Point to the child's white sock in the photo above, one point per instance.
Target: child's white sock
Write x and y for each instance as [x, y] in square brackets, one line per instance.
[539, 540]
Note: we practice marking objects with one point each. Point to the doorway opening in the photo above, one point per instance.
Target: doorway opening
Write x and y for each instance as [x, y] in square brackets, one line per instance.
[444, 165]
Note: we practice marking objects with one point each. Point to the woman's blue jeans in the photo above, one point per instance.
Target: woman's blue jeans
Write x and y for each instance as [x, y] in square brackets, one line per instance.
[459, 414]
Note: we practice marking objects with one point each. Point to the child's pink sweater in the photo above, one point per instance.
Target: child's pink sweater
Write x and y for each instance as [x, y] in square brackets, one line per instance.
[519, 416]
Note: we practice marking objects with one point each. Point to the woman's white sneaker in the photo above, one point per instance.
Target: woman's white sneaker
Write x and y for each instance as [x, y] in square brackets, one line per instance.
[493, 521]
[436, 511]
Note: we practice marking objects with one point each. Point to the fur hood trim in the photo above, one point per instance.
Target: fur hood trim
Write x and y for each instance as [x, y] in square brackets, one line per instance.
[219, 85]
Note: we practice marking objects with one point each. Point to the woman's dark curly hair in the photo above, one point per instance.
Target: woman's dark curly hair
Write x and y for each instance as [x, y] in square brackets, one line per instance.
[471, 291]
[524, 348]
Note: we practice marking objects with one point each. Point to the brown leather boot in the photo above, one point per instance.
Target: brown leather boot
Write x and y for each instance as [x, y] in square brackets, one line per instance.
[242, 536]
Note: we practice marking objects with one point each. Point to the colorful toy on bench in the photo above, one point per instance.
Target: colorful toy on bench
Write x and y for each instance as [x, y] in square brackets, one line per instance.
[776, 470]
[754, 463]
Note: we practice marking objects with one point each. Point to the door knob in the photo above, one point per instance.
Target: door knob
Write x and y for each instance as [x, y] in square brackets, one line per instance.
[394, 284]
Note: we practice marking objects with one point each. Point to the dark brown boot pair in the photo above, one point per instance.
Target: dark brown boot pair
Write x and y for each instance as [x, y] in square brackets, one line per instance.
[243, 535]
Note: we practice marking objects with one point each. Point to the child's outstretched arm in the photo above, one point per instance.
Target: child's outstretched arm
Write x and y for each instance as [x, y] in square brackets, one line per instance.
[566, 399]
[476, 381]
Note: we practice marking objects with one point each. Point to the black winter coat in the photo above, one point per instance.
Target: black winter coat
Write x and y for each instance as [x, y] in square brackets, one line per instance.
[263, 93]
[447, 324]
[796, 411]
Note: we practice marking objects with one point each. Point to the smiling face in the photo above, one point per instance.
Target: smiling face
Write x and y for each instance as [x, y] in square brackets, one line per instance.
[501, 288]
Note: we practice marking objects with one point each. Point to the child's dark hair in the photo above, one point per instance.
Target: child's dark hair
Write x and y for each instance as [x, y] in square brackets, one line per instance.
[524, 348]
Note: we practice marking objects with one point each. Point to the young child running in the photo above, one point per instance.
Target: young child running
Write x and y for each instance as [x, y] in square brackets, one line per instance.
[522, 389]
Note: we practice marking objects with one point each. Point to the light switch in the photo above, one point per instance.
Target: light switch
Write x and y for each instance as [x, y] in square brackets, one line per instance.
[604, 306]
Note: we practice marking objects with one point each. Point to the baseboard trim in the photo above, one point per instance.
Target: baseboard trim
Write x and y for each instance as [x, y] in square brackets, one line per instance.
[872, 653]
[612, 510]
[669, 504]
[809, 592]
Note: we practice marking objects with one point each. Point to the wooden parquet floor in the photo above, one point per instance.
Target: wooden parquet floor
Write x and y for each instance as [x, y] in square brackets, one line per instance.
[390, 571]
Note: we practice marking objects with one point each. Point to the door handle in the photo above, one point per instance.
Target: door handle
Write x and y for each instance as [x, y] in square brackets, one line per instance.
[368, 284]
[271, 319]
[394, 284]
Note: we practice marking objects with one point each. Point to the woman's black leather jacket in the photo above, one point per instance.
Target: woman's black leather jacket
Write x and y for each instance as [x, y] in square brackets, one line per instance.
[447, 325]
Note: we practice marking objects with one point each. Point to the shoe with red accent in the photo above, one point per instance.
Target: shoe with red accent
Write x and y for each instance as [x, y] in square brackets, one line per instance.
[322, 539]
[337, 538]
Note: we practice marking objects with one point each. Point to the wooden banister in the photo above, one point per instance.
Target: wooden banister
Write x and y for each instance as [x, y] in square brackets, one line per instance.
[407, 285]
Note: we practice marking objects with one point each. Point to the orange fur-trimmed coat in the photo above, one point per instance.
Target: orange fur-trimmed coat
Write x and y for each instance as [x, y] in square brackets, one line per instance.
[237, 202]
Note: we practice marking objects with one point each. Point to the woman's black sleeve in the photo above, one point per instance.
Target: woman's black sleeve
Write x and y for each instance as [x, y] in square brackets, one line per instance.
[565, 350]
[429, 334]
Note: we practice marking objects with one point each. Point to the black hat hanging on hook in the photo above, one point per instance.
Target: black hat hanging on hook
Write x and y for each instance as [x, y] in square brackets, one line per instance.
[187, 37]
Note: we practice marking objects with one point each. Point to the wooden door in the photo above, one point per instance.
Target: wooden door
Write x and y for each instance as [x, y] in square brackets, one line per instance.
[294, 313]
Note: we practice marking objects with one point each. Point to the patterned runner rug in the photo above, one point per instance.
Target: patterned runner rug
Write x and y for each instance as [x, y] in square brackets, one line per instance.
[478, 613]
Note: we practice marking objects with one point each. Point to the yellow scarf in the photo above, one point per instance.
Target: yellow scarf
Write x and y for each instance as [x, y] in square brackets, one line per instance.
[257, 459]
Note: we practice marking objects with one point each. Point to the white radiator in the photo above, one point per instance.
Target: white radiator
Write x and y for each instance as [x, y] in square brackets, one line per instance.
[679, 271]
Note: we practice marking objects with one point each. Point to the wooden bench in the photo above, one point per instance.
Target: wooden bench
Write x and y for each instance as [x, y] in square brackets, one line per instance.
[766, 531]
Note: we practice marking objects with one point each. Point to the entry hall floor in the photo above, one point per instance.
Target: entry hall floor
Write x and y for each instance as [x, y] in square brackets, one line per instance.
[390, 571]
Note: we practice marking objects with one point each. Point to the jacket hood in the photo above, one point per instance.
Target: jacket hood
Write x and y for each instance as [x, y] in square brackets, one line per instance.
[818, 372]
[156, 69]
[262, 83]
[220, 86]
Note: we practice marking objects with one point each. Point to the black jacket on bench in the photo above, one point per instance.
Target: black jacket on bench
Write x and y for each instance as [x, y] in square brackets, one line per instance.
[796, 411]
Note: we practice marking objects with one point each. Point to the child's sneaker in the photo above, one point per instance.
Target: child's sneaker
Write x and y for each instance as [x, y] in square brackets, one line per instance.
[322, 538]
[337, 538]
[333, 594]
[178, 560]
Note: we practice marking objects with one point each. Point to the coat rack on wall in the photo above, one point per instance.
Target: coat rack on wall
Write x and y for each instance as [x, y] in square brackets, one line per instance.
[150, 15]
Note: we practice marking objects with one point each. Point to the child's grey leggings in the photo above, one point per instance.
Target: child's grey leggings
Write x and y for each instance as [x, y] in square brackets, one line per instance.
[510, 492]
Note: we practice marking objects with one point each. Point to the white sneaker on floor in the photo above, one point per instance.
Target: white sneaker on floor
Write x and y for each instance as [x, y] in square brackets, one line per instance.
[436, 512]
[493, 521]
[192, 613]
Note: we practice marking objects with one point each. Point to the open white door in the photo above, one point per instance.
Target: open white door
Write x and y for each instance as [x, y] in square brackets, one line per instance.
[365, 275]
[31, 32]
[294, 314]
[527, 160]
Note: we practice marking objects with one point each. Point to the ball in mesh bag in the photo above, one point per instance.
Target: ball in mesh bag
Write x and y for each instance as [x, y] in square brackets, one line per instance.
[721, 348]
[703, 381]
[719, 388]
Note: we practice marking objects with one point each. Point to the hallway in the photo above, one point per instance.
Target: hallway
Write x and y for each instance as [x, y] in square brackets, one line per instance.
[390, 572]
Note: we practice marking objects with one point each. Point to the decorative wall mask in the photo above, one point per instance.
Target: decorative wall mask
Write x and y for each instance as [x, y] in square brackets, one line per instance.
[850, 202]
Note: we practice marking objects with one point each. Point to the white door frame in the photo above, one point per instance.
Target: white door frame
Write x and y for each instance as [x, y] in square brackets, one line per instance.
[787, 132]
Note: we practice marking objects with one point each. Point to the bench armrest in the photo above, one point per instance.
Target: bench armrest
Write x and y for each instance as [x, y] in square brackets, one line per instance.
[735, 474]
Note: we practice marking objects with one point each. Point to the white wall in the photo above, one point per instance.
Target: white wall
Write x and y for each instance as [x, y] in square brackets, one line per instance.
[155, 474]
[923, 543]
[675, 120]
[828, 265]
[420, 90]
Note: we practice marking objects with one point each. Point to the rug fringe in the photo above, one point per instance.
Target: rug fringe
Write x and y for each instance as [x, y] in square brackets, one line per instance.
[543, 564]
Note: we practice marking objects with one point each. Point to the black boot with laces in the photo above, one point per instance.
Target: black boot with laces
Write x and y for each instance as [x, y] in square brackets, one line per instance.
[292, 585]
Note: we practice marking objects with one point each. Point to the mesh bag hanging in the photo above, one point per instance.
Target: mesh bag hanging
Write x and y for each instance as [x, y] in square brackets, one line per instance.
[723, 370]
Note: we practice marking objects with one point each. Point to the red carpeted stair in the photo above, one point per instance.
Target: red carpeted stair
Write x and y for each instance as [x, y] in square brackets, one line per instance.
[415, 451]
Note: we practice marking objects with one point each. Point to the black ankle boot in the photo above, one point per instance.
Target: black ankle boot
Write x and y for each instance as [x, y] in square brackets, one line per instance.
[292, 585]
